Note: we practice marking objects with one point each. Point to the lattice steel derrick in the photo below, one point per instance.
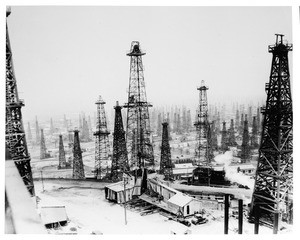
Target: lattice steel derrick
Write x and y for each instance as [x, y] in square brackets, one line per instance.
[231, 137]
[224, 138]
[165, 158]
[120, 157]
[78, 169]
[62, 155]
[202, 127]
[254, 134]
[139, 146]
[246, 151]
[14, 131]
[101, 139]
[274, 176]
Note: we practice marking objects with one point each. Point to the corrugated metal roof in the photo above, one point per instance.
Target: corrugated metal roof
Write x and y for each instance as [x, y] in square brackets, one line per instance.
[53, 214]
[180, 199]
[184, 165]
[119, 186]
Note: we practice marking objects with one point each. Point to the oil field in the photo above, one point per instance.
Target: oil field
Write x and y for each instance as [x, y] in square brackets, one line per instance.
[168, 155]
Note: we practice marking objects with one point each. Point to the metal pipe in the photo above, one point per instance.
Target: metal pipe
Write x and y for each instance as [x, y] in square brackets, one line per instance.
[240, 216]
[226, 214]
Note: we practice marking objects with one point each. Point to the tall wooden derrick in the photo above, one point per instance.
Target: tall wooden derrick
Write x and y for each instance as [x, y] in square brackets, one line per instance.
[159, 122]
[37, 132]
[254, 134]
[189, 120]
[273, 190]
[214, 137]
[120, 158]
[224, 138]
[52, 129]
[237, 120]
[15, 138]
[245, 148]
[29, 133]
[165, 158]
[231, 135]
[61, 155]
[241, 128]
[101, 139]
[203, 148]
[43, 149]
[78, 169]
[138, 134]
[258, 113]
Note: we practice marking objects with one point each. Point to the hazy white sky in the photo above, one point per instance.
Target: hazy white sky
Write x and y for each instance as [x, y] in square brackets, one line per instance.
[65, 57]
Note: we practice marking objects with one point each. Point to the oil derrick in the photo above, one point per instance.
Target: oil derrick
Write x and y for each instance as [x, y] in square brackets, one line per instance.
[37, 132]
[179, 125]
[189, 120]
[184, 120]
[218, 121]
[254, 135]
[43, 149]
[159, 122]
[169, 128]
[258, 120]
[29, 132]
[71, 139]
[214, 137]
[250, 115]
[78, 170]
[120, 158]
[139, 147]
[90, 126]
[237, 120]
[175, 123]
[61, 156]
[231, 133]
[241, 128]
[203, 149]
[224, 138]
[15, 138]
[273, 188]
[80, 123]
[165, 158]
[246, 152]
[85, 136]
[65, 122]
[101, 138]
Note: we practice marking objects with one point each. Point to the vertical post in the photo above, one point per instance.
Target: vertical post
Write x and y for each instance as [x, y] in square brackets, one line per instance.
[256, 218]
[124, 181]
[240, 216]
[275, 226]
[42, 180]
[226, 214]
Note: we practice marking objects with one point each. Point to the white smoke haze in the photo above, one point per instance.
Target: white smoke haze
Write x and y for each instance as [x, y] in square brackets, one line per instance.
[231, 171]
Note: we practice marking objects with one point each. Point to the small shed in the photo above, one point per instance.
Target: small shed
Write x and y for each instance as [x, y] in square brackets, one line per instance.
[54, 215]
[184, 204]
[115, 192]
